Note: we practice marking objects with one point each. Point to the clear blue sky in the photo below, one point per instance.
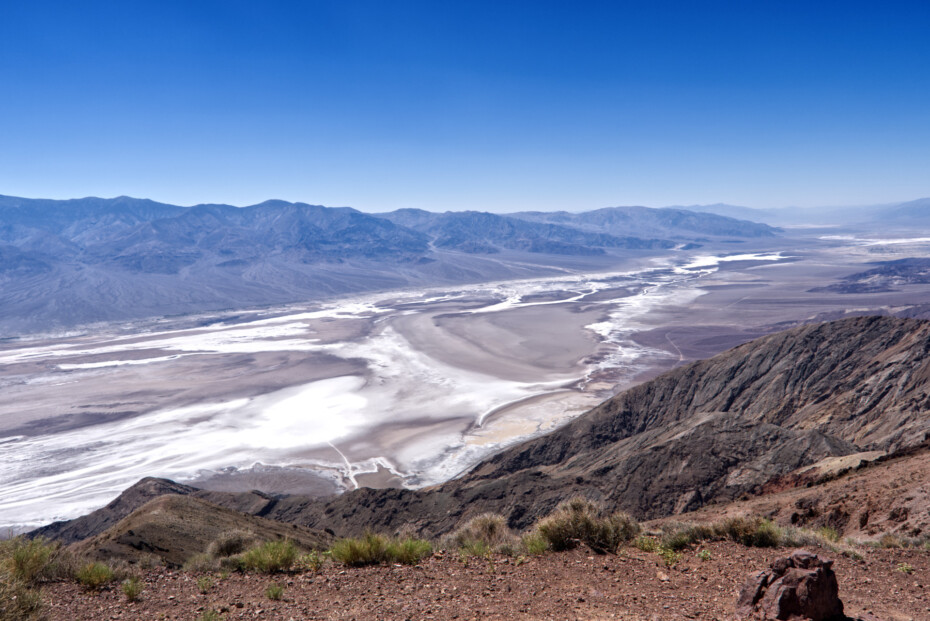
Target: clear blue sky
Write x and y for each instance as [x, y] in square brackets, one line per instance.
[467, 105]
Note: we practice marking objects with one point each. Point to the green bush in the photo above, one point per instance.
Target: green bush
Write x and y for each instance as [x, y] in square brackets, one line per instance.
[270, 557]
[274, 591]
[132, 588]
[94, 576]
[646, 544]
[373, 549]
[30, 558]
[533, 543]
[312, 561]
[408, 551]
[368, 550]
[204, 584]
[578, 521]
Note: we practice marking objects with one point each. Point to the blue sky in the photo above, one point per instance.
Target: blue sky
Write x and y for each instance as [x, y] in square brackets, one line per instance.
[496, 106]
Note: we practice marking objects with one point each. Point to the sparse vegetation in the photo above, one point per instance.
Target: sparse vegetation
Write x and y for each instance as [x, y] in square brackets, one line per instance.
[274, 591]
[204, 584]
[18, 602]
[580, 521]
[230, 543]
[313, 561]
[481, 534]
[904, 568]
[533, 543]
[829, 533]
[30, 558]
[669, 556]
[704, 555]
[132, 588]
[95, 576]
[372, 549]
[201, 563]
[409, 551]
[211, 615]
[646, 543]
[270, 557]
[356, 552]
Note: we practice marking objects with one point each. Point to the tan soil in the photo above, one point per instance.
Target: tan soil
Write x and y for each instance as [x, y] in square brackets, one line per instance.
[574, 585]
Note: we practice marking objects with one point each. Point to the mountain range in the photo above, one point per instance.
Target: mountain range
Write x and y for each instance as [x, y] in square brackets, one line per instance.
[64, 263]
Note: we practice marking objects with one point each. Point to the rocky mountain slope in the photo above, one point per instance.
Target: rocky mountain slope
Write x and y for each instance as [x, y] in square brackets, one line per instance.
[709, 432]
[486, 233]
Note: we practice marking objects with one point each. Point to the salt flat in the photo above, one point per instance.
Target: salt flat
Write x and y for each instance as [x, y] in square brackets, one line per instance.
[400, 388]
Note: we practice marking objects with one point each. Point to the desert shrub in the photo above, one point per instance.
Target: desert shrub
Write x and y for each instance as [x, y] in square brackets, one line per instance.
[274, 591]
[751, 531]
[201, 563]
[704, 555]
[890, 540]
[18, 602]
[829, 533]
[533, 543]
[30, 558]
[132, 588]
[94, 576]
[204, 584]
[904, 568]
[313, 561]
[578, 521]
[211, 615]
[669, 556]
[372, 549]
[646, 544]
[488, 531]
[270, 557]
[408, 551]
[356, 552]
[231, 542]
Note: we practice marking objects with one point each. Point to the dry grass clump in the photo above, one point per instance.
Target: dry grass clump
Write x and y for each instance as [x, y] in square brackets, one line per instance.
[94, 576]
[24, 565]
[201, 563]
[132, 588]
[580, 521]
[372, 549]
[270, 557]
[231, 542]
[482, 535]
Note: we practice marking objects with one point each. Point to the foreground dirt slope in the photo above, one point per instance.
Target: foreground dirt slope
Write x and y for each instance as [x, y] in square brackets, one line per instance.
[573, 585]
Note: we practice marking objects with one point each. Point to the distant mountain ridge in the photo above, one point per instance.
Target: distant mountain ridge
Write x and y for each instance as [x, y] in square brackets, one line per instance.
[68, 262]
[646, 221]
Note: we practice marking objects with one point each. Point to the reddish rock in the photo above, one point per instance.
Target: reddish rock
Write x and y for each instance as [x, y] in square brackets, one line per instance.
[800, 587]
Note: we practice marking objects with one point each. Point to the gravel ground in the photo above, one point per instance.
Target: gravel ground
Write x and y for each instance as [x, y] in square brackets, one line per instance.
[633, 585]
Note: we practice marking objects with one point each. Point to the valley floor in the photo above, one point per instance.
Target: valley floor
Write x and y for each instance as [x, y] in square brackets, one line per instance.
[891, 584]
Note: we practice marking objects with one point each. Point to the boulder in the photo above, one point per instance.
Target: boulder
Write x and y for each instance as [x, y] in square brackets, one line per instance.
[799, 587]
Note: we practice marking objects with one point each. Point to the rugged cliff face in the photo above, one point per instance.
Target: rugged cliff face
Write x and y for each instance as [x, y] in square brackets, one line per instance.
[707, 432]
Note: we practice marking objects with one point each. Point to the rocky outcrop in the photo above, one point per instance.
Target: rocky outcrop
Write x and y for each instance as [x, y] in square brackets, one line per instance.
[801, 586]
